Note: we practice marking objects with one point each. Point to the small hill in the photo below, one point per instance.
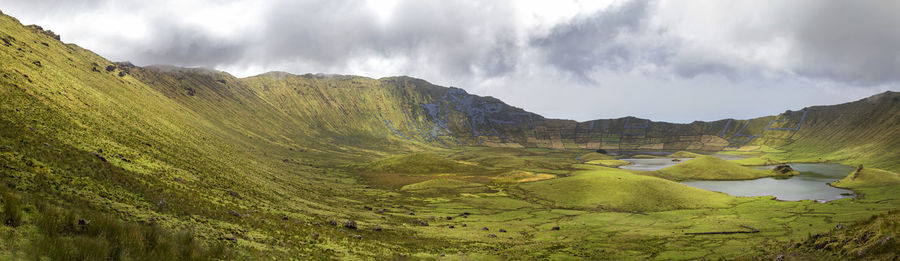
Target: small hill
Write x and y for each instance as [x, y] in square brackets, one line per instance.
[520, 176]
[596, 156]
[619, 190]
[418, 163]
[684, 154]
[442, 186]
[712, 168]
[868, 177]
[609, 163]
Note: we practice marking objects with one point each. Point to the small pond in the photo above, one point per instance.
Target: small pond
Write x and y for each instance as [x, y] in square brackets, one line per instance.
[812, 183]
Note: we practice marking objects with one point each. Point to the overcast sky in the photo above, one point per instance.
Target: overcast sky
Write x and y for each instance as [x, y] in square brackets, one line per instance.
[666, 60]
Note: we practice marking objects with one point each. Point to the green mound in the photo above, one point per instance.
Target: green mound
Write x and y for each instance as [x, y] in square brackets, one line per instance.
[596, 156]
[644, 156]
[711, 168]
[418, 163]
[541, 160]
[618, 190]
[756, 161]
[518, 176]
[435, 186]
[507, 151]
[684, 154]
[609, 163]
[868, 177]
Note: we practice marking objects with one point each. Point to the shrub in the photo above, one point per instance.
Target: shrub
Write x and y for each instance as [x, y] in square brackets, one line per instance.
[82, 234]
[12, 210]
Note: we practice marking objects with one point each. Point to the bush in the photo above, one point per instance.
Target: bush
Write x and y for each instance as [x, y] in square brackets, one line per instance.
[88, 235]
[601, 151]
[12, 210]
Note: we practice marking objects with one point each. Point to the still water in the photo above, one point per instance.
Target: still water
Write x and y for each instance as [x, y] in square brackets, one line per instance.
[810, 184]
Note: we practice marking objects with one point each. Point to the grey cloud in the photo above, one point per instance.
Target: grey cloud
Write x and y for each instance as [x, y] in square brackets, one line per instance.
[597, 40]
[856, 42]
[188, 47]
[453, 37]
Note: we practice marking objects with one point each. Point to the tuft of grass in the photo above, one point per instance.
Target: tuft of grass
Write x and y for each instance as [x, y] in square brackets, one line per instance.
[12, 210]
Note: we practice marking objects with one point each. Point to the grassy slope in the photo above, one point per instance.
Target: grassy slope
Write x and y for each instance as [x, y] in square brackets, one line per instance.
[618, 190]
[711, 168]
[875, 238]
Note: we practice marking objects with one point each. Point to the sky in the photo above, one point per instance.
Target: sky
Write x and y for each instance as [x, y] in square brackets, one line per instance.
[676, 61]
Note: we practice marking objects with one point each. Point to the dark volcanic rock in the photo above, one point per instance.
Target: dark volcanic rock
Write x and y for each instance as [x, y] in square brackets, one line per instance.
[350, 224]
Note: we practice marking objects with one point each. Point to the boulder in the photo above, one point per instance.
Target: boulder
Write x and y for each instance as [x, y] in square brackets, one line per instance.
[350, 224]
